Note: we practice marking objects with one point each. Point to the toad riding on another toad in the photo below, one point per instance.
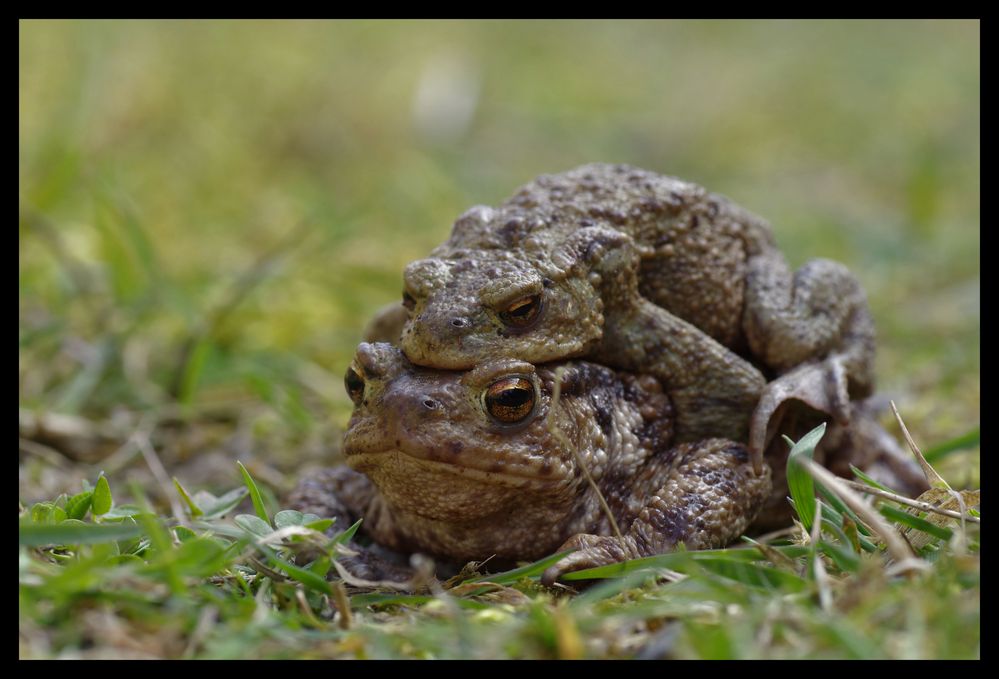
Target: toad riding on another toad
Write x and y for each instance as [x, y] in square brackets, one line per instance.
[683, 343]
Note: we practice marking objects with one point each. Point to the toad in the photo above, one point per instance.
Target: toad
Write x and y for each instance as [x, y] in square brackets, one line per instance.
[506, 461]
[649, 274]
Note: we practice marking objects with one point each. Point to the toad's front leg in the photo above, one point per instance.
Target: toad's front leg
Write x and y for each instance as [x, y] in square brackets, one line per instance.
[812, 327]
[713, 390]
[345, 495]
[706, 495]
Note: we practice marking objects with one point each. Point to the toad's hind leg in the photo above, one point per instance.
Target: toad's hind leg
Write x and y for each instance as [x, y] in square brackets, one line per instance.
[703, 495]
[815, 330]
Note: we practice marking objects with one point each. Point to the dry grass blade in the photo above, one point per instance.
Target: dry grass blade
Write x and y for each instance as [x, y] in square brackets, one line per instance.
[342, 603]
[411, 585]
[901, 499]
[934, 479]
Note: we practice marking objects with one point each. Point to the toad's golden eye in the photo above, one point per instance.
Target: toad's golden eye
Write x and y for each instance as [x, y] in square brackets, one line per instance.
[522, 313]
[510, 400]
[408, 301]
[355, 385]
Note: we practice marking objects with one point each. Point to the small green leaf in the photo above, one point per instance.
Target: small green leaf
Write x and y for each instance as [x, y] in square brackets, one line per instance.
[258, 501]
[184, 533]
[253, 525]
[46, 512]
[192, 507]
[799, 481]
[122, 512]
[200, 557]
[288, 517]
[225, 504]
[102, 497]
[78, 505]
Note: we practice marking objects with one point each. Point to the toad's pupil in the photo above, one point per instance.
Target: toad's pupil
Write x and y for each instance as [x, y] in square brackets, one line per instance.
[513, 397]
[354, 384]
[510, 399]
[522, 308]
[522, 312]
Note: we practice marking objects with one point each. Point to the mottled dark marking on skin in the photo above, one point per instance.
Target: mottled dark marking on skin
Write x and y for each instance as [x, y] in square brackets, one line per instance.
[455, 447]
[546, 467]
[463, 266]
[513, 231]
[604, 415]
[739, 453]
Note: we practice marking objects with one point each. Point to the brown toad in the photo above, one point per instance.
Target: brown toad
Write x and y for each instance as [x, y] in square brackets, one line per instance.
[468, 465]
[471, 465]
[649, 274]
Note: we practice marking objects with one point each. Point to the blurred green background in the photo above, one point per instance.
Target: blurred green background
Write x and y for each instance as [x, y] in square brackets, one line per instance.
[211, 211]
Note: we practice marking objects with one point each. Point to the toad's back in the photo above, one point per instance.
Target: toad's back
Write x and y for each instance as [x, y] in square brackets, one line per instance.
[694, 244]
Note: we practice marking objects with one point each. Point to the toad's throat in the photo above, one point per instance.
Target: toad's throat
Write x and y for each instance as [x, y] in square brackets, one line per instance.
[421, 463]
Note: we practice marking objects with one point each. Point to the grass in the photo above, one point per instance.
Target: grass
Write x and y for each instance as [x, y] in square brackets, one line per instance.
[210, 212]
[137, 584]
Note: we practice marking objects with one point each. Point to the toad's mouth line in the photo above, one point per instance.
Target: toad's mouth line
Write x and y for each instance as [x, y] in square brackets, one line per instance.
[359, 461]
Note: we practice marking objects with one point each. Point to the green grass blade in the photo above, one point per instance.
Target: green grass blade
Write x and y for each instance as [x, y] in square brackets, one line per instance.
[529, 571]
[258, 501]
[302, 575]
[915, 522]
[345, 536]
[799, 481]
[859, 473]
[962, 442]
[675, 560]
[75, 533]
[191, 505]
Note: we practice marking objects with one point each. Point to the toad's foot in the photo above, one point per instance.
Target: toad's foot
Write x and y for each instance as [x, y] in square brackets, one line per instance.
[820, 310]
[709, 496]
[345, 495]
[822, 386]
